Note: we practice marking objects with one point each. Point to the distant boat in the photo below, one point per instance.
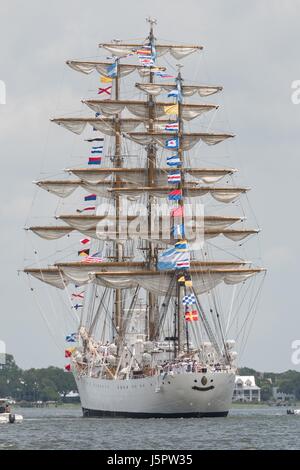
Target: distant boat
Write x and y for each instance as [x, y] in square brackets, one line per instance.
[6, 417]
[293, 412]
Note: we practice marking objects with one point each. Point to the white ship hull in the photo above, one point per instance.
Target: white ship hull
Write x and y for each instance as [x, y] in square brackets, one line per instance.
[179, 395]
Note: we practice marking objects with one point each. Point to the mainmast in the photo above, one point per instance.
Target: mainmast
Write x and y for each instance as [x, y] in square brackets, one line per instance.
[181, 324]
[117, 164]
[151, 165]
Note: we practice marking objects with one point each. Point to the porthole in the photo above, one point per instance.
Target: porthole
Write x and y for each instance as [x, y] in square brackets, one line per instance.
[195, 380]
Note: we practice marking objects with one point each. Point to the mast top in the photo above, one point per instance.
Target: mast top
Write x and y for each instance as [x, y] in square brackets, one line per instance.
[151, 21]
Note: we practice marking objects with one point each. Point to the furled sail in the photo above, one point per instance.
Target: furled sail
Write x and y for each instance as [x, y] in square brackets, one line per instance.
[155, 89]
[187, 141]
[141, 108]
[104, 125]
[63, 188]
[50, 276]
[224, 195]
[80, 272]
[51, 232]
[138, 175]
[159, 283]
[178, 52]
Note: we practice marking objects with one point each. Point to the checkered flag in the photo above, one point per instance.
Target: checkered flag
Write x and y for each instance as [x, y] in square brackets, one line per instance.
[189, 299]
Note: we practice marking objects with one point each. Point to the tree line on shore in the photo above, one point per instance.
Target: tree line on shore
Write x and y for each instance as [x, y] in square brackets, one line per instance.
[53, 383]
[47, 384]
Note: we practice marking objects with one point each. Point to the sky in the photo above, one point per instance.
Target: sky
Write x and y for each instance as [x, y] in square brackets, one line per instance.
[251, 48]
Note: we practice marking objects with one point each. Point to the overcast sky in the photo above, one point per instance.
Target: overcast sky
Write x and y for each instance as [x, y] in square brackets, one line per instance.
[251, 48]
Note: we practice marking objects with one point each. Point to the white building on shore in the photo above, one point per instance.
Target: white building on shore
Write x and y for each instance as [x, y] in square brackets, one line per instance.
[245, 389]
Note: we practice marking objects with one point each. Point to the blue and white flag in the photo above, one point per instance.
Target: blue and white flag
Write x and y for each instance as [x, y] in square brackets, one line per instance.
[111, 70]
[173, 93]
[77, 306]
[174, 160]
[178, 231]
[189, 299]
[172, 259]
[97, 150]
[71, 338]
[172, 143]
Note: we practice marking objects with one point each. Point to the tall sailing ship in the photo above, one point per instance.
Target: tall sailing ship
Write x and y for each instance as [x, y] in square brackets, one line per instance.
[147, 292]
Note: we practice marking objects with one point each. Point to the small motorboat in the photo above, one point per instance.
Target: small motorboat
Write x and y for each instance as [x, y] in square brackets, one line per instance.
[293, 412]
[6, 416]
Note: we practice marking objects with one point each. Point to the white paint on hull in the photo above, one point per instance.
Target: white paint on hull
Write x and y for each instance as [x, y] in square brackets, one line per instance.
[175, 396]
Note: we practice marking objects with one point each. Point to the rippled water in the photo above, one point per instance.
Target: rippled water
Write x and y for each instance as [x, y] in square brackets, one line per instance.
[64, 428]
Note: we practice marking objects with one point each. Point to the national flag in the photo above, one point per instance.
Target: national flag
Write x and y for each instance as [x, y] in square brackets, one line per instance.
[174, 177]
[104, 79]
[166, 259]
[111, 70]
[173, 109]
[84, 252]
[171, 259]
[172, 143]
[173, 126]
[80, 295]
[106, 90]
[90, 197]
[68, 367]
[174, 160]
[189, 299]
[71, 338]
[97, 139]
[95, 258]
[175, 195]
[181, 246]
[97, 150]
[94, 161]
[85, 241]
[173, 93]
[191, 315]
[163, 75]
[177, 212]
[88, 208]
[77, 306]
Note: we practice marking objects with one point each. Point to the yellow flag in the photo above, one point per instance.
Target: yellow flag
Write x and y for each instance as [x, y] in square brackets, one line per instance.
[173, 109]
[188, 283]
[105, 79]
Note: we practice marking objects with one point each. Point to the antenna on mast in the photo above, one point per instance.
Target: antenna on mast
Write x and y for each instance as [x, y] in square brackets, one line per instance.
[151, 21]
[179, 67]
